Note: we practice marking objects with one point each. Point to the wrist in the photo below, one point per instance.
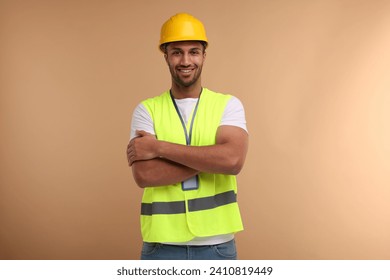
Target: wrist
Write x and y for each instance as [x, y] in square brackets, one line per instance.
[159, 149]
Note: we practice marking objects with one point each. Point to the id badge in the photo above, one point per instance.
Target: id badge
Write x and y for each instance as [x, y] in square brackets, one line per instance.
[190, 184]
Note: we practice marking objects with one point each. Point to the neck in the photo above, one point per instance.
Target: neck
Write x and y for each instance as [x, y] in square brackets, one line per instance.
[180, 92]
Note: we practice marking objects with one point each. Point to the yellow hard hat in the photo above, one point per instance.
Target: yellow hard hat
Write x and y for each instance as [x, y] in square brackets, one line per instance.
[182, 27]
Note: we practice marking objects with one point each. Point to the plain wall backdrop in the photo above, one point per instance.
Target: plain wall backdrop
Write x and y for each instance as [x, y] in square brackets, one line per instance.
[313, 77]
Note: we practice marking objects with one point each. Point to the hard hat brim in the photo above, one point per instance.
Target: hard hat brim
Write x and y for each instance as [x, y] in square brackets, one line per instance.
[162, 46]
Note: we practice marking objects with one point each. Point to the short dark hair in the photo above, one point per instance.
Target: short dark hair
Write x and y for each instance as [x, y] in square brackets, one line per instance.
[164, 47]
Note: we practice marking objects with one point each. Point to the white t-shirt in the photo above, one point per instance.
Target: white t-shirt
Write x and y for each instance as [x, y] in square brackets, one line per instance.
[234, 115]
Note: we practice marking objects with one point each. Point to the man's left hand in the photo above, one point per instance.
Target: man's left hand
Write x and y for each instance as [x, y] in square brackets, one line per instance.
[142, 147]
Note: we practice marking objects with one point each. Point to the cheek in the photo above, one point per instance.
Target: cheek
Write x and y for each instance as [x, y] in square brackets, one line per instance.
[199, 62]
[172, 62]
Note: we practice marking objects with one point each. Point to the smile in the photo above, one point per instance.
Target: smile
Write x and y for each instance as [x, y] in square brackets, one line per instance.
[185, 70]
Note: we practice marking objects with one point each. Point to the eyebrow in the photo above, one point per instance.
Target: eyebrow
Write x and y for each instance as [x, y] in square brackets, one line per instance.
[180, 49]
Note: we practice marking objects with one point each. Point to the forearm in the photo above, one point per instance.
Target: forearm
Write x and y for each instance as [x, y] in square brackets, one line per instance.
[226, 156]
[219, 158]
[160, 172]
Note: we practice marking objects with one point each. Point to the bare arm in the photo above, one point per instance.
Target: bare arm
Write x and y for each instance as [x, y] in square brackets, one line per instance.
[160, 172]
[157, 171]
[227, 156]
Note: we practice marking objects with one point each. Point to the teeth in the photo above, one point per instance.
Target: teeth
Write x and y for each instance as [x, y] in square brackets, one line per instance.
[185, 71]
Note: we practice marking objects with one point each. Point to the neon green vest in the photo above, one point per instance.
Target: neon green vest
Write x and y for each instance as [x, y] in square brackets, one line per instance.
[169, 214]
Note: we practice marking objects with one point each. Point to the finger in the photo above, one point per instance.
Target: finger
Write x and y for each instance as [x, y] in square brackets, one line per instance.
[130, 146]
[128, 150]
[141, 133]
[128, 158]
[132, 159]
[130, 153]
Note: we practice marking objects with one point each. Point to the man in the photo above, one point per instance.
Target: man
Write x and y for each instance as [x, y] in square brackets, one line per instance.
[186, 146]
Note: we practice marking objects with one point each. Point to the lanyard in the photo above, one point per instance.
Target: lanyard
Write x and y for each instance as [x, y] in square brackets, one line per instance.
[187, 135]
[193, 182]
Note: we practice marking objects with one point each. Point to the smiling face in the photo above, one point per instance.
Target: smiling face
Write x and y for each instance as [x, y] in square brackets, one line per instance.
[185, 61]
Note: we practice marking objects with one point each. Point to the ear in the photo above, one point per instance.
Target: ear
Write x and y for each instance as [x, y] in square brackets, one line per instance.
[166, 57]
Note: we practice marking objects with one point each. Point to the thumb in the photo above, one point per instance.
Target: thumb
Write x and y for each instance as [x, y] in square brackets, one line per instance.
[141, 133]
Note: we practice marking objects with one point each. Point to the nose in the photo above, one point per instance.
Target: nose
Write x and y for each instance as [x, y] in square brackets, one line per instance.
[185, 59]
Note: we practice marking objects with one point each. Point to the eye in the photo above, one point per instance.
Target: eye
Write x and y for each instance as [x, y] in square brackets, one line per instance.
[175, 52]
[195, 52]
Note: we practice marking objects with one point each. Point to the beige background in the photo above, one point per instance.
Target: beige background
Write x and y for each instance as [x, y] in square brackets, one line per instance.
[313, 76]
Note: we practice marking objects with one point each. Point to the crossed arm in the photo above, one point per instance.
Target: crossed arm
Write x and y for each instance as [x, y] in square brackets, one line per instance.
[156, 163]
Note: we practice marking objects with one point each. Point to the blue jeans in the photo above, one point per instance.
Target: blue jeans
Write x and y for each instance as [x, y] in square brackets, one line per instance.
[158, 251]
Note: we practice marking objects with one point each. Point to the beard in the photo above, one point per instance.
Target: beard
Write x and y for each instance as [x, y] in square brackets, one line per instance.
[186, 83]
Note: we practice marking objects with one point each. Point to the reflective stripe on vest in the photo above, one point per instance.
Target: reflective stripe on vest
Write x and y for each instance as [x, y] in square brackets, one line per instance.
[196, 204]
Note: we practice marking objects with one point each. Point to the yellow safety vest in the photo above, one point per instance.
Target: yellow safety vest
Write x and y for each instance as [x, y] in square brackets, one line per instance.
[170, 214]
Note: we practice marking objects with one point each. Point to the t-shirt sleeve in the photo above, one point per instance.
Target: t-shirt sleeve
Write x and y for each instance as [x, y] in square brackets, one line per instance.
[141, 121]
[234, 114]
